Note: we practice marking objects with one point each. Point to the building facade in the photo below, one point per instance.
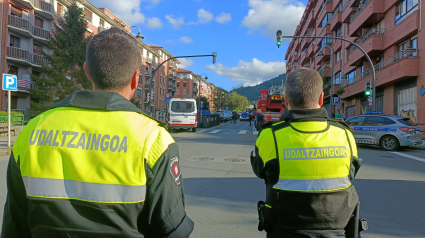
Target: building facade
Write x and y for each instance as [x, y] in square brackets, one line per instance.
[25, 28]
[390, 33]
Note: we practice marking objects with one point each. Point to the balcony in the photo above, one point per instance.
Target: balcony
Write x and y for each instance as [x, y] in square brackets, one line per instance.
[172, 65]
[41, 7]
[370, 13]
[174, 88]
[327, 7]
[399, 66]
[336, 20]
[306, 42]
[347, 10]
[148, 74]
[147, 87]
[195, 90]
[407, 27]
[149, 60]
[372, 42]
[25, 27]
[24, 56]
[325, 70]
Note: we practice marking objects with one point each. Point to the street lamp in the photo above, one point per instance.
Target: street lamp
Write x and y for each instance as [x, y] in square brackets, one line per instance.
[360, 48]
[139, 35]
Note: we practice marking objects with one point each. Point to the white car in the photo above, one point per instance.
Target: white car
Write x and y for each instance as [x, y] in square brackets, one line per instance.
[182, 114]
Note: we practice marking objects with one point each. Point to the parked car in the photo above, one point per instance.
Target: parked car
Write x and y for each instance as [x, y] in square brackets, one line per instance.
[224, 117]
[388, 131]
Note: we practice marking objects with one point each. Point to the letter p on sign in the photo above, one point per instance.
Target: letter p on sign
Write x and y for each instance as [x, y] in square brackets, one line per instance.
[10, 82]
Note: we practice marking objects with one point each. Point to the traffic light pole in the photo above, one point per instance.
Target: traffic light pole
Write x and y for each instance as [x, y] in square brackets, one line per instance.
[360, 48]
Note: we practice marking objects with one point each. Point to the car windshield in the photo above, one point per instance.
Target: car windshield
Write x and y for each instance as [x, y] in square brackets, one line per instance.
[407, 122]
[182, 106]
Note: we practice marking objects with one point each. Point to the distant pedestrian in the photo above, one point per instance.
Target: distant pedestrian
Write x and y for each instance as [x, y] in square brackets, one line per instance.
[343, 116]
[250, 118]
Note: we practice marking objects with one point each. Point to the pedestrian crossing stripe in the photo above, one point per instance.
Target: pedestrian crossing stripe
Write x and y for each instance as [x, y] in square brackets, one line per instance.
[255, 132]
[214, 131]
[243, 132]
[367, 142]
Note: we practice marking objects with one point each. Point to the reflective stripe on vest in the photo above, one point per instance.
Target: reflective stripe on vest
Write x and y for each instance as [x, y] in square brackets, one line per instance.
[313, 184]
[93, 192]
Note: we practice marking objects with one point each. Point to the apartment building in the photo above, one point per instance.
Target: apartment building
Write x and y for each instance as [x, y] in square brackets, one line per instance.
[390, 33]
[25, 27]
[186, 84]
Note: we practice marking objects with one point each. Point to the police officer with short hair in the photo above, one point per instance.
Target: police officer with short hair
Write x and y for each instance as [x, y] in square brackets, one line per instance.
[94, 165]
[307, 163]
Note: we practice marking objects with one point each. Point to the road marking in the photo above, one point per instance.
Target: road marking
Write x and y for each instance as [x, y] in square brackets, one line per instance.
[409, 156]
[201, 131]
[255, 132]
[214, 131]
[243, 132]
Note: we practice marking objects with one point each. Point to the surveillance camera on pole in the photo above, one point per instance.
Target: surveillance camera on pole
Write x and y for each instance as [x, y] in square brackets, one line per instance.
[279, 38]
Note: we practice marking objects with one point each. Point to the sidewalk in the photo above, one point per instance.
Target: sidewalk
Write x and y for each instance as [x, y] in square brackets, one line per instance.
[3, 144]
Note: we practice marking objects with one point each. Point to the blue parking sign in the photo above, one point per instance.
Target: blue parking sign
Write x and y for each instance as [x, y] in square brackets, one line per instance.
[167, 100]
[336, 101]
[10, 82]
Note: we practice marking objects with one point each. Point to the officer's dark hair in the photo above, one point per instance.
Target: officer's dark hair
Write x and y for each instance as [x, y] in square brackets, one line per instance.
[112, 58]
[303, 88]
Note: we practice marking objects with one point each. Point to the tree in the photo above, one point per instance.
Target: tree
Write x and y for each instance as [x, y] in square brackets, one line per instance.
[206, 103]
[63, 74]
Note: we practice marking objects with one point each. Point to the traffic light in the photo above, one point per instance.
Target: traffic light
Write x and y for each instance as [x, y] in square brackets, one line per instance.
[368, 89]
[214, 57]
[279, 38]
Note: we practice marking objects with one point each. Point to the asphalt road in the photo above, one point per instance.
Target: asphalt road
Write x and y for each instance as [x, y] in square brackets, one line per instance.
[222, 191]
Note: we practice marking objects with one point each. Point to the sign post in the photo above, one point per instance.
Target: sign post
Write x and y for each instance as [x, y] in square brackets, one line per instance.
[201, 105]
[10, 83]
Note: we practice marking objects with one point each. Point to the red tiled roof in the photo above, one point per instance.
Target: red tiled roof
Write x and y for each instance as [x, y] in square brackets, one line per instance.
[183, 71]
[154, 46]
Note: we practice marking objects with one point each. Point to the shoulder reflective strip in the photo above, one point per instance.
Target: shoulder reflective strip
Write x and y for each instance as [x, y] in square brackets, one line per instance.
[92, 192]
[313, 184]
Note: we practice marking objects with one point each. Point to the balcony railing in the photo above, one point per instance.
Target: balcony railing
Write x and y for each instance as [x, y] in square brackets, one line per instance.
[45, 6]
[88, 19]
[21, 23]
[324, 6]
[323, 67]
[22, 54]
[195, 90]
[174, 88]
[383, 64]
[148, 74]
[367, 35]
[359, 10]
[149, 60]
[338, 9]
[147, 86]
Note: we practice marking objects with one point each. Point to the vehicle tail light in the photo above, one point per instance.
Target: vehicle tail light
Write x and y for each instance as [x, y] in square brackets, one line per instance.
[407, 129]
[168, 116]
[196, 117]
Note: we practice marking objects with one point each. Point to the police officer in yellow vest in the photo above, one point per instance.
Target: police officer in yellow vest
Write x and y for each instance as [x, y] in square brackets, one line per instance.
[307, 163]
[94, 165]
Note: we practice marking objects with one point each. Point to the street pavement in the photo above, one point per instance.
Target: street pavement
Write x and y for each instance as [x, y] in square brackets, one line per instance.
[222, 191]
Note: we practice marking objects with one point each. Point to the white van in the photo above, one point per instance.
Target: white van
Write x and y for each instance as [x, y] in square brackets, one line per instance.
[182, 114]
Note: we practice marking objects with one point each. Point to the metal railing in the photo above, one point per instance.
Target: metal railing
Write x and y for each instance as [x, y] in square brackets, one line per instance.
[174, 88]
[149, 60]
[19, 22]
[22, 54]
[195, 90]
[27, 113]
[88, 19]
[338, 9]
[383, 64]
[148, 74]
[16, 120]
[324, 6]
[359, 10]
[147, 86]
[346, 5]
[323, 67]
[367, 35]
[45, 6]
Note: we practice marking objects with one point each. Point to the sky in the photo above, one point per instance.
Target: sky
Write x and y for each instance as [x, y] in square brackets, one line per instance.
[242, 32]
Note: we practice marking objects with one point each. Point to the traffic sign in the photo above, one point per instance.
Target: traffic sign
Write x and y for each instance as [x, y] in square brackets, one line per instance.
[10, 82]
[336, 101]
[167, 100]
[167, 95]
[202, 104]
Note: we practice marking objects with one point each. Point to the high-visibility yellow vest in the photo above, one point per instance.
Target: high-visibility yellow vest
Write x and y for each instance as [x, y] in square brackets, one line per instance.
[313, 156]
[89, 155]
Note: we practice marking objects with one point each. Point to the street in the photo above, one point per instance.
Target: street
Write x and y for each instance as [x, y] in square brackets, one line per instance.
[222, 191]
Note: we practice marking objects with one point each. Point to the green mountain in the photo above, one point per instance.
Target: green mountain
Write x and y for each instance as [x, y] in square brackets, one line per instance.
[253, 92]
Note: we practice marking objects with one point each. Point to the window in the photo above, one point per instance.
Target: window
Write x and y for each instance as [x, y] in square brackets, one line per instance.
[59, 10]
[14, 41]
[339, 31]
[13, 70]
[102, 24]
[407, 122]
[38, 49]
[338, 56]
[139, 92]
[356, 121]
[326, 40]
[404, 8]
[178, 84]
[338, 78]
[184, 83]
[16, 11]
[326, 19]
[89, 14]
[350, 76]
[375, 121]
[140, 78]
[38, 22]
[182, 106]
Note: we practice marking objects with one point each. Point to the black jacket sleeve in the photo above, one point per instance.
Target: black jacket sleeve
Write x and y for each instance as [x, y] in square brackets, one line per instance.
[257, 164]
[15, 216]
[164, 204]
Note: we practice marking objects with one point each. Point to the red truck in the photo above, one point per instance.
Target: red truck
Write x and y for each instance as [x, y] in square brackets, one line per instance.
[271, 103]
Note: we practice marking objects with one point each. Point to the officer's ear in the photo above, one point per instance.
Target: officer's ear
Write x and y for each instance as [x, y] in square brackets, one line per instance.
[286, 102]
[135, 79]
[322, 95]
[87, 74]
